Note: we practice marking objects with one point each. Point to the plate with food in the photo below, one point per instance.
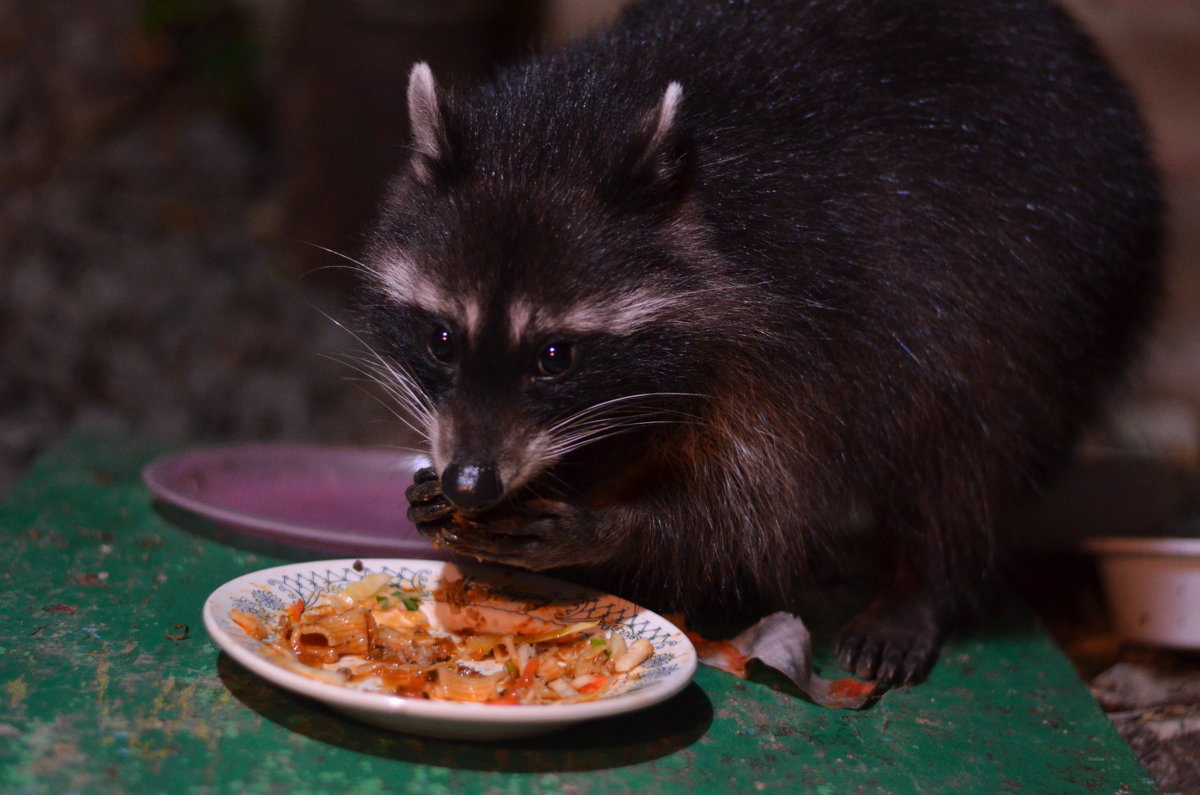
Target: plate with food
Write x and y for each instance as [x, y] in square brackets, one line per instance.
[449, 650]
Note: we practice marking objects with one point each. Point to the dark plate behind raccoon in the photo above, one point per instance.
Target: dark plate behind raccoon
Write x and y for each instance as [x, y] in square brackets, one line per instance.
[331, 499]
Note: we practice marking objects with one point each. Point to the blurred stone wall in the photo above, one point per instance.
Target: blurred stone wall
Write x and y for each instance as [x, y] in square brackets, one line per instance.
[167, 171]
[136, 292]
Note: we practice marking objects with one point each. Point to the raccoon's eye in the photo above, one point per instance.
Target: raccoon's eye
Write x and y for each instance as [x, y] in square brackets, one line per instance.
[441, 344]
[555, 359]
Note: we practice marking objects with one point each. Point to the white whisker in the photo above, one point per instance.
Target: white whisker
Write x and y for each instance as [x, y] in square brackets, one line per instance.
[561, 447]
[397, 385]
[415, 410]
[612, 417]
[618, 401]
[355, 264]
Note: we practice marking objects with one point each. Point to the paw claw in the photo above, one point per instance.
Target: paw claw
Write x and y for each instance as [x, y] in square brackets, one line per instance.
[430, 517]
[424, 491]
[428, 508]
[893, 644]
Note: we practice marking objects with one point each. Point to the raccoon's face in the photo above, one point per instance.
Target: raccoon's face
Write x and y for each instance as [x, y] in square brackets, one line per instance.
[502, 400]
[525, 319]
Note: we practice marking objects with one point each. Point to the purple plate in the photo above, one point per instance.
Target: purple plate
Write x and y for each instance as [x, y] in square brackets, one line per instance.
[333, 499]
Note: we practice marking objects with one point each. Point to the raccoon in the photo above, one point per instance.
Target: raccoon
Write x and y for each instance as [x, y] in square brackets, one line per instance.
[740, 289]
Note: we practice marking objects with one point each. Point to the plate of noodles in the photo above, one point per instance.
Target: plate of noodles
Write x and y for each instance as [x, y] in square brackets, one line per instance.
[449, 650]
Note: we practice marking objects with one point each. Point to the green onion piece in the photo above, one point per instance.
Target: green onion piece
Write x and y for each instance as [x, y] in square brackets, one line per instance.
[411, 602]
[599, 642]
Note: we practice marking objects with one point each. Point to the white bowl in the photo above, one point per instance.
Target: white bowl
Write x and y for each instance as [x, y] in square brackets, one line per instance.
[1153, 588]
[262, 592]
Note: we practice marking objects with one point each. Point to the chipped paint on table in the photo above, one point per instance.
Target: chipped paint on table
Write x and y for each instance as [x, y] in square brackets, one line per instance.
[108, 683]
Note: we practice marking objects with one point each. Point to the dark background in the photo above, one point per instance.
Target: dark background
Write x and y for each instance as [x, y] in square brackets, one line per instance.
[172, 171]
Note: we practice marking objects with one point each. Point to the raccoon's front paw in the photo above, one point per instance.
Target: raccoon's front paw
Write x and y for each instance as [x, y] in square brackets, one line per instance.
[538, 535]
[428, 507]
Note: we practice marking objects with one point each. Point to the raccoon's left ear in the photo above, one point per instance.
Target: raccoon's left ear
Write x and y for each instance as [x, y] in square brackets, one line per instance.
[655, 167]
[432, 150]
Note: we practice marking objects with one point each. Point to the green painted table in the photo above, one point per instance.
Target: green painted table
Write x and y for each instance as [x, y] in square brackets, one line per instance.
[108, 683]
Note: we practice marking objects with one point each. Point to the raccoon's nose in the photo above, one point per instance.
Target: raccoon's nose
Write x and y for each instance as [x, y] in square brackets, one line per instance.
[472, 487]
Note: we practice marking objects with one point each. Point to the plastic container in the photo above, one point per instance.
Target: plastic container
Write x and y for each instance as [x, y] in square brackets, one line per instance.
[1153, 588]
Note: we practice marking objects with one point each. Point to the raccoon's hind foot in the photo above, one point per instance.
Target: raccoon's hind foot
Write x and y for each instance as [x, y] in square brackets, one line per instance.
[895, 641]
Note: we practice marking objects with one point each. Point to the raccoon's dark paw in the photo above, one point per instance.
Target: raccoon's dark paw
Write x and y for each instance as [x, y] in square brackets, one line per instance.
[428, 507]
[539, 535]
[894, 642]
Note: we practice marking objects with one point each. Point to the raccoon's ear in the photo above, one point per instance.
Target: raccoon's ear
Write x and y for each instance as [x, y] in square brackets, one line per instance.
[432, 150]
[656, 163]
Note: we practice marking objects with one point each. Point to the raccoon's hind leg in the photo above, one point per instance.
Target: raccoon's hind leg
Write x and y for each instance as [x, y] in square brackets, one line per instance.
[934, 555]
[897, 638]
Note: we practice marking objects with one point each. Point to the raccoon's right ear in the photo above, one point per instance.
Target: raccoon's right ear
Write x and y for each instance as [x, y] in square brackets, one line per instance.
[656, 165]
[433, 153]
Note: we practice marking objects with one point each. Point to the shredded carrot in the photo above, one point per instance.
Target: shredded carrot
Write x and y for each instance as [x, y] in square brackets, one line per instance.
[513, 694]
[594, 686]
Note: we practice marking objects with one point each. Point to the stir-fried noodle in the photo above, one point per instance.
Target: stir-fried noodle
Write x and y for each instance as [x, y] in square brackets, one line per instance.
[377, 637]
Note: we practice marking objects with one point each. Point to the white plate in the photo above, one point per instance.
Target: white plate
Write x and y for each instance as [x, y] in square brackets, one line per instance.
[263, 592]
